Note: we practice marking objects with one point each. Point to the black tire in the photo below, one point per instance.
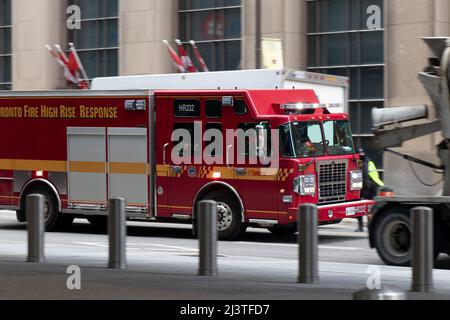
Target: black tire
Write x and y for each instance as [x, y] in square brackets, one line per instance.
[229, 218]
[54, 220]
[392, 237]
[99, 223]
[281, 231]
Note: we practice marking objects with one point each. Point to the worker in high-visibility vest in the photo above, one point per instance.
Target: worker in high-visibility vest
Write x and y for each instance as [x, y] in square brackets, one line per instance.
[371, 182]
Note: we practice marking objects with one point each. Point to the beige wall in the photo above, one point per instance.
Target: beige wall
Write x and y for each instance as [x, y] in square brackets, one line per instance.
[282, 19]
[35, 24]
[407, 21]
[143, 25]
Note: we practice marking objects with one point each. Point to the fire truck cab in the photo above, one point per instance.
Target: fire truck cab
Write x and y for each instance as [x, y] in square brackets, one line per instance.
[79, 149]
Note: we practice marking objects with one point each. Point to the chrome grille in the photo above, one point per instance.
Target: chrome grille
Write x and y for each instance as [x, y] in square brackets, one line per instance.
[332, 180]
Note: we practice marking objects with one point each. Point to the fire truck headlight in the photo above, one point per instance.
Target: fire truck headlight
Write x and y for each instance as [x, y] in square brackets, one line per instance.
[305, 185]
[356, 180]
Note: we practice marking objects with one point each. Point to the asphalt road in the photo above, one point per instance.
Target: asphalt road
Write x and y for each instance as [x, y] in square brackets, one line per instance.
[337, 243]
[161, 257]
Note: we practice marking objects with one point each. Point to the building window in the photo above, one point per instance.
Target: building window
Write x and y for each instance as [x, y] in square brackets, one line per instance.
[97, 41]
[5, 45]
[216, 27]
[346, 38]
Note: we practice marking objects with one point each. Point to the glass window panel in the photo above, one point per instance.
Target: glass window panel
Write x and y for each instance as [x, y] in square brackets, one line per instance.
[113, 63]
[89, 60]
[312, 17]
[233, 55]
[338, 72]
[89, 8]
[312, 57]
[366, 115]
[183, 26]
[354, 48]
[372, 83]
[334, 49]
[354, 116]
[233, 2]
[202, 25]
[5, 12]
[5, 40]
[334, 15]
[233, 23]
[113, 33]
[355, 15]
[219, 56]
[96, 36]
[213, 108]
[209, 27]
[207, 51]
[354, 84]
[113, 8]
[183, 4]
[372, 47]
[88, 36]
[5, 69]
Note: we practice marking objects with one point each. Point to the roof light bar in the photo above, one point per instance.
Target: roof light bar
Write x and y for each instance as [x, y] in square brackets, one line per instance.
[301, 106]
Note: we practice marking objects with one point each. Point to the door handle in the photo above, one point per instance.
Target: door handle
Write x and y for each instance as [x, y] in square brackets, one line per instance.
[164, 153]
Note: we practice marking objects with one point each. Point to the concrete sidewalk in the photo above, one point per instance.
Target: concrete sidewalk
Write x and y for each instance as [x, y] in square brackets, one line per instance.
[166, 280]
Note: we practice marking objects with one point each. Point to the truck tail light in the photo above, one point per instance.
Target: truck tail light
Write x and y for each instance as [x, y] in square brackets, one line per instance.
[356, 180]
[305, 185]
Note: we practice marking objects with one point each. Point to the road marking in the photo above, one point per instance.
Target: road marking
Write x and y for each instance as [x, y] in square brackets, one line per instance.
[296, 246]
[165, 247]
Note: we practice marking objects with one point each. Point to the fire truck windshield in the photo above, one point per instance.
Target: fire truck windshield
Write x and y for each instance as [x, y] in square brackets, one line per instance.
[306, 139]
[338, 137]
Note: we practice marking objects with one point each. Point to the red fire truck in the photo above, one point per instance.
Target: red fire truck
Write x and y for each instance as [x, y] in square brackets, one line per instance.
[78, 149]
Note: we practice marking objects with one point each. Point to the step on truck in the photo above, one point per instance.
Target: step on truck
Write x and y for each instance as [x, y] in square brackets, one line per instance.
[258, 153]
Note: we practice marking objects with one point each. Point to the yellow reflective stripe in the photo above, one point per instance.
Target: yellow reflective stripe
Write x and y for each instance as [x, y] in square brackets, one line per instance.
[31, 165]
[6, 164]
[203, 172]
[87, 167]
[127, 168]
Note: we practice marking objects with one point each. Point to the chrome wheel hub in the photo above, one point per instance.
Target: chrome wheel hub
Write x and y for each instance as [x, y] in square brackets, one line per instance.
[224, 216]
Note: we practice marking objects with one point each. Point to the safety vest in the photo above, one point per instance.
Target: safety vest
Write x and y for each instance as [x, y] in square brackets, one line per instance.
[373, 174]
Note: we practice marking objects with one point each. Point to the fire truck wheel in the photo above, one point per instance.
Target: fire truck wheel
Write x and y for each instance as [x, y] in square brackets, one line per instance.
[283, 230]
[229, 219]
[54, 220]
[392, 236]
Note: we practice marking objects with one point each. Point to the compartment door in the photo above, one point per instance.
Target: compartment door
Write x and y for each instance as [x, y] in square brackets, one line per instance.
[128, 166]
[87, 167]
[6, 189]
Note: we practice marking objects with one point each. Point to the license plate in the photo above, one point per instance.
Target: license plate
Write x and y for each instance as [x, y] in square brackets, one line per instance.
[351, 211]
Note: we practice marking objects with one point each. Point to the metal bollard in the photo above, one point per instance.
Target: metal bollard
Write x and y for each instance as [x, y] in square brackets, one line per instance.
[386, 293]
[308, 241]
[422, 249]
[207, 234]
[117, 232]
[36, 227]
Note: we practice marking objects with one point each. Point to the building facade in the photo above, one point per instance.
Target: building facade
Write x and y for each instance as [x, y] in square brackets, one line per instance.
[376, 43]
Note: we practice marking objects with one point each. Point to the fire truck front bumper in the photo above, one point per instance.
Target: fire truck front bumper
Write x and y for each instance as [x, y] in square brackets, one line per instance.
[339, 211]
[345, 210]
